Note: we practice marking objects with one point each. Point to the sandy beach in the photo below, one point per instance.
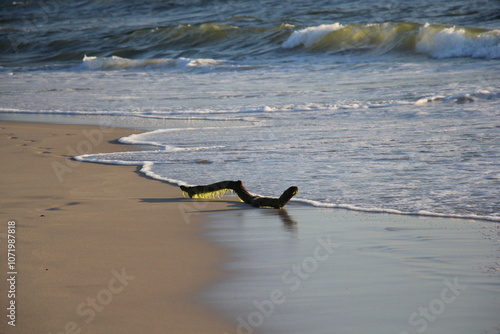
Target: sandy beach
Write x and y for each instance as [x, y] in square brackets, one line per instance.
[102, 249]
[87, 257]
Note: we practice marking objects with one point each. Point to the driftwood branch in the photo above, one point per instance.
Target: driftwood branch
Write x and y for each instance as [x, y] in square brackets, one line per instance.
[219, 188]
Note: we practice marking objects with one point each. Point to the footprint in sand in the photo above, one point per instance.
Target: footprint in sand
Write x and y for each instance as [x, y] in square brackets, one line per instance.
[57, 208]
[45, 150]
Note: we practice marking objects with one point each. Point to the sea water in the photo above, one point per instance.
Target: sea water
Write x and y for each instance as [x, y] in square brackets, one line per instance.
[373, 106]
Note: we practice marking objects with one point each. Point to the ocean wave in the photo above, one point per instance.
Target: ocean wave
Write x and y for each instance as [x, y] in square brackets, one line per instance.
[119, 63]
[197, 65]
[312, 36]
[187, 35]
[34, 34]
[208, 47]
[450, 42]
[434, 40]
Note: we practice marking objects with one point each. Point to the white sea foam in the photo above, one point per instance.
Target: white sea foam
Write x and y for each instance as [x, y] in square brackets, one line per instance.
[437, 41]
[423, 213]
[231, 114]
[460, 98]
[106, 158]
[308, 37]
[119, 63]
[457, 42]
[177, 165]
[148, 169]
[139, 139]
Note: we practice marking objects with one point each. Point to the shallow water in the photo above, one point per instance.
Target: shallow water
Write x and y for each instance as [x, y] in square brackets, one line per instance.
[309, 270]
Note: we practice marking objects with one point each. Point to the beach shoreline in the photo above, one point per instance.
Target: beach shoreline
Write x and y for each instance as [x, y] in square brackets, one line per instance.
[98, 249]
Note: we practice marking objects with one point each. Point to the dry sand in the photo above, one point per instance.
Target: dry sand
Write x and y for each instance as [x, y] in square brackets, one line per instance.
[98, 248]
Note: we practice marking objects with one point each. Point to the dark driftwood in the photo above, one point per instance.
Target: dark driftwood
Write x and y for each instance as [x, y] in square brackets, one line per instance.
[237, 187]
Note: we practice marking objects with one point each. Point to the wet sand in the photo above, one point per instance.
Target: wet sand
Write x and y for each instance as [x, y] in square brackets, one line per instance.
[312, 270]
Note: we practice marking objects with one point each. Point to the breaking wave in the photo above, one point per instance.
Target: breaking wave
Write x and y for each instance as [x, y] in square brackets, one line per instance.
[119, 63]
[434, 40]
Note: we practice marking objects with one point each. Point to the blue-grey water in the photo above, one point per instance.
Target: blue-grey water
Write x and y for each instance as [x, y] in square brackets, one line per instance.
[370, 105]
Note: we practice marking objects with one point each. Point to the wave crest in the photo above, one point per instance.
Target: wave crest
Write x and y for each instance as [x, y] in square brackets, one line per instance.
[119, 63]
[437, 41]
[447, 42]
